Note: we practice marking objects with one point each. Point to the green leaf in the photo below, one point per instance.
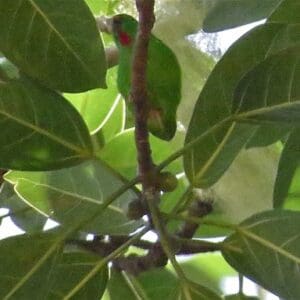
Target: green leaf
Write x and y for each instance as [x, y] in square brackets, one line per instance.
[72, 267]
[22, 215]
[42, 130]
[40, 271]
[205, 165]
[125, 161]
[153, 285]
[97, 6]
[118, 287]
[8, 70]
[269, 93]
[209, 269]
[96, 106]
[71, 195]
[292, 200]
[199, 292]
[268, 244]
[288, 164]
[286, 12]
[27, 262]
[268, 134]
[205, 162]
[227, 14]
[103, 7]
[53, 41]
[115, 120]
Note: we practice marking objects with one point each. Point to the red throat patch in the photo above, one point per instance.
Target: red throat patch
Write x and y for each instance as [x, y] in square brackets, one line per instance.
[124, 38]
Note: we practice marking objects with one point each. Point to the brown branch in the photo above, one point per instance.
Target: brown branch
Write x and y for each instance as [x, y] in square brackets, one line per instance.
[181, 242]
[198, 209]
[139, 95]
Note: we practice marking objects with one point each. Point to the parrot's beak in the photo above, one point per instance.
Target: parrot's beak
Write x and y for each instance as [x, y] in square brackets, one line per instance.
[105, 24]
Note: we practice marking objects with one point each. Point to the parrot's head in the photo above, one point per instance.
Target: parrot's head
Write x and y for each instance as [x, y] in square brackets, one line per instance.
[124, 28]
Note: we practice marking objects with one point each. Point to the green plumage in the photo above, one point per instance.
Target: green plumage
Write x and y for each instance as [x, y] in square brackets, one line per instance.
[163, 76]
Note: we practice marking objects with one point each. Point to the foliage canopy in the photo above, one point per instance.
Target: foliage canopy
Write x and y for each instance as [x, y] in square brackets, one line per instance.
[67, 154]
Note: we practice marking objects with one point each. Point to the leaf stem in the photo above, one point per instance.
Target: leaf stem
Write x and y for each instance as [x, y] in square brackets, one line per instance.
[192, 143]
[165, 243]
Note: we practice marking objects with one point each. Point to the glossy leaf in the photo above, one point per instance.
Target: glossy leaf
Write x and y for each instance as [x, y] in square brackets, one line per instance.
[270, 93]
[8, 70]
[27, 262]
[292, 199]
[268, 134]
[118, 287]
[205, 162]
[226, 14]
[287, 12]
[115, 120]
[40, 272]
[72, 195]
[73, 266]
[96, 106]
[199, 292]
[53, 41]
[42, 130]
[154, 285]
[288, 164]
[95, 6]
[266, 249]
[22, 215]
[125, 161]
[209, 269]
[105, 7]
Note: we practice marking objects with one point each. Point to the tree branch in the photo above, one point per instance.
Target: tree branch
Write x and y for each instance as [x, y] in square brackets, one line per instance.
[139, 95]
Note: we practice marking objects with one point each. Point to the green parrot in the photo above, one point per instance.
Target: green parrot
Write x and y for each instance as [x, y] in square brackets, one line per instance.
[163, 76]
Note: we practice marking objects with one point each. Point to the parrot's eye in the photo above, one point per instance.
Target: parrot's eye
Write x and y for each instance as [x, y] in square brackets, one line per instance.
[117, 22]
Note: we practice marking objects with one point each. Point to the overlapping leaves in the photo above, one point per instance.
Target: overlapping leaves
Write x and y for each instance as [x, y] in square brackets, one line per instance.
[42, 130]
[266, 248]
[226, 14]
[154, 285]
[264, 63]
[72, 196]
[44, 269]
[53, 41]
[207, 161]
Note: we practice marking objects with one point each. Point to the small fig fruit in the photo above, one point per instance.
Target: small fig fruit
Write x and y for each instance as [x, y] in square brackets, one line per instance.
[167, 182]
